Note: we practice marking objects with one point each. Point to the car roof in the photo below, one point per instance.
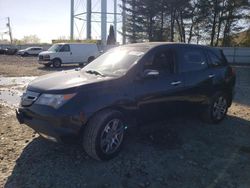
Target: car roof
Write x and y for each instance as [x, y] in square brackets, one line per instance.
[34, 47]
[156, 44]
[76, 43]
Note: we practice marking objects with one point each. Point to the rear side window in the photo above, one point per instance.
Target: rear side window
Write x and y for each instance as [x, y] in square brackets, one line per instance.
[65, 48]
[217, 58]
[191, 59]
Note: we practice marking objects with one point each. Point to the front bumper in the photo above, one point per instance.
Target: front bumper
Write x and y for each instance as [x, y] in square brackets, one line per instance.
[44, 61]
[58, 129]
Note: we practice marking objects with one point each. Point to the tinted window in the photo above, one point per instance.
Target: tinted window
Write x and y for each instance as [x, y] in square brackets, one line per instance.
[161, 61]
[191, 59]
[65, 48]
[217, 58]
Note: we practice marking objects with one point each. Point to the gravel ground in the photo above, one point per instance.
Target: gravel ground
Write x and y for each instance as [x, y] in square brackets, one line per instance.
[179, 152]
[26, 66]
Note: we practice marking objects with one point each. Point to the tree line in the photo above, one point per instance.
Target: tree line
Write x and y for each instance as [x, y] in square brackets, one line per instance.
[210, 22]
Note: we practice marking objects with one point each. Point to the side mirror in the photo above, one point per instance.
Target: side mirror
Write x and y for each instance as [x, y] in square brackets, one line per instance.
[149, 73]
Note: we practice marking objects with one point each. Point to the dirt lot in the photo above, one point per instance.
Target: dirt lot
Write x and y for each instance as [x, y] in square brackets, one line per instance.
[180, 152]
[25, 66]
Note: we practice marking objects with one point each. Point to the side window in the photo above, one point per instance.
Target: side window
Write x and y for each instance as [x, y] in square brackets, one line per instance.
[161, 61]
[192, 59]
[65, 48]
[216, 59]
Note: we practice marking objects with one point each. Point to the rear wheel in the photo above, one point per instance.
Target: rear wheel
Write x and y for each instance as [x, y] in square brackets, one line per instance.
[57, 63]
[91, 58]
[104, 135]
[216, 109]
[25, 54]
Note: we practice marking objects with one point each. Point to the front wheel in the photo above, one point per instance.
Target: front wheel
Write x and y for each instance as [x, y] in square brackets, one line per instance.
[216, 109]
[90, 59]
[25, 54]
[57, 63]
[104, 135]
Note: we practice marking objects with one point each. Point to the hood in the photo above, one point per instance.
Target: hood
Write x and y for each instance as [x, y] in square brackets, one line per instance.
[46, 52]
[64, 80]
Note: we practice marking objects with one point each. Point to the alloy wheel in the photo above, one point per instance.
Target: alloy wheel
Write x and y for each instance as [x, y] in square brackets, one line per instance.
[219, 108]
[112, 136]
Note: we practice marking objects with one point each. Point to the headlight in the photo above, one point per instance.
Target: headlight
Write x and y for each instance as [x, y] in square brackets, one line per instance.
[54, 100]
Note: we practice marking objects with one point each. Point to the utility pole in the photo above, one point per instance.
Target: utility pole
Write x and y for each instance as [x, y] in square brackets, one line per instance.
[10, 32]
[89, 10]
[72, 20]
[104, 21]
[115, 17]
[124, 22]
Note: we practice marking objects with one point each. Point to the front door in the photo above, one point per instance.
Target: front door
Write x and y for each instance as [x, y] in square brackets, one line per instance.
[65, 54]
[159, 95]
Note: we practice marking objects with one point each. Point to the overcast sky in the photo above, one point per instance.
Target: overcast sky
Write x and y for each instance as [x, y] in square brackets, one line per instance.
[48, 19]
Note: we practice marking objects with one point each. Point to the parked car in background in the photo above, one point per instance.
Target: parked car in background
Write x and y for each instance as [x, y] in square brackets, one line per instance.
[142, 82]
[68, 53]
[2, 51]
[11, 51]
[31, 51]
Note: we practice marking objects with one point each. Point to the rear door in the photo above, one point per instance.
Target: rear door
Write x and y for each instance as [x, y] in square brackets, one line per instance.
[193, 64]
[35, 51]
[160, 95]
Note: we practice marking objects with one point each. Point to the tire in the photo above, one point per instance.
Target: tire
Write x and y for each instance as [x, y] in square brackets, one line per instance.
[91, 58]
[104, 134]
[217, 108]
[25, 54]
[57, 63]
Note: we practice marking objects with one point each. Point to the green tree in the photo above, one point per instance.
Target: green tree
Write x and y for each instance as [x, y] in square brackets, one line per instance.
[111, 37]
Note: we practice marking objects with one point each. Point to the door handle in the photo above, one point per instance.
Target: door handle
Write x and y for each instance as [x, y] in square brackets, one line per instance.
[176, 83]
[211, 76]
[70, 53]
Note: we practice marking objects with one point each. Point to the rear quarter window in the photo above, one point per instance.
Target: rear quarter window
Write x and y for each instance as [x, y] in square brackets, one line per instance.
[217, 57]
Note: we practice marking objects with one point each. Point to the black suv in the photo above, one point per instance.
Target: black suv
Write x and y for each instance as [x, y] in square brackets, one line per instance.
[133, 82]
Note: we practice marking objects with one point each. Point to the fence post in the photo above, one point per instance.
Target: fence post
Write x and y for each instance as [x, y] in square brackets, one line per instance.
[234, 56]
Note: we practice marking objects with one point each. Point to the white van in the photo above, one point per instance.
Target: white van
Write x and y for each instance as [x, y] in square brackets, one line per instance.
[68, 53]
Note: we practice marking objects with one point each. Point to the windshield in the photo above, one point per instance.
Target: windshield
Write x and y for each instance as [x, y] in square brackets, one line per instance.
[55, 48]
[115, 62]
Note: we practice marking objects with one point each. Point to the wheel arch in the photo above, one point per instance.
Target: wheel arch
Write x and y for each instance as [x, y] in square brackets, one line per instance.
[91, 58]
[128, 117]
[57, 58]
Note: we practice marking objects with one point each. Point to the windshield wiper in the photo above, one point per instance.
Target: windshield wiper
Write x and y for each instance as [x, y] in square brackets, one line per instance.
[95, 72]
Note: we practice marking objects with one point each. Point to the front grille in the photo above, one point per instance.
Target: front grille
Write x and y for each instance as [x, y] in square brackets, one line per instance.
[28, 98]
